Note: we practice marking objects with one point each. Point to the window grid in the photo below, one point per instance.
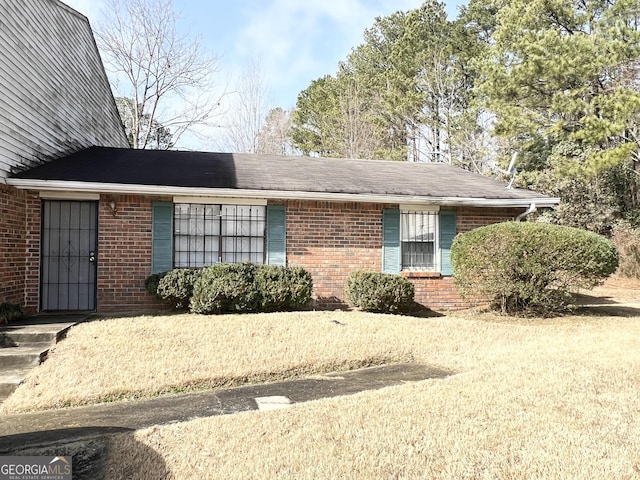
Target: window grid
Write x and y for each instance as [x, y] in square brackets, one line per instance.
[208, 234]
[419, 234]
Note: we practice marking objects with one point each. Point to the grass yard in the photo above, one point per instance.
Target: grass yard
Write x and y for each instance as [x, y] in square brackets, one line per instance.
[552, 398]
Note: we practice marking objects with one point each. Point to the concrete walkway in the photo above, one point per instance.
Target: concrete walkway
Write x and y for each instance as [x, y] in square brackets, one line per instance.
[22, 431]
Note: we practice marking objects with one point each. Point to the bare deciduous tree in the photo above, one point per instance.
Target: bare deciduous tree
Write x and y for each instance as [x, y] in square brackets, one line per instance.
[167, 75]
[247, 111]
[275, 136]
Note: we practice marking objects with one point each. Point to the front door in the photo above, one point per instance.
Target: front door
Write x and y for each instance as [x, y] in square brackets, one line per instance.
[69, 247]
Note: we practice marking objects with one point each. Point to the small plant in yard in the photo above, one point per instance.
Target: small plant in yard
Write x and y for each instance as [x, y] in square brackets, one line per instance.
[176, 286]
[530, 267]
[10, 312]
[379, 292]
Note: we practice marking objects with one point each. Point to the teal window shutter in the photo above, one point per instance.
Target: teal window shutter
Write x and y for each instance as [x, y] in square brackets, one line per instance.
[162, 237]
[276, 235]
[391, 241]
[447, 233]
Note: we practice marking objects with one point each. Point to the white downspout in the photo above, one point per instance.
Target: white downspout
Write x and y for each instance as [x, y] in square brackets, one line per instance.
[532, 208]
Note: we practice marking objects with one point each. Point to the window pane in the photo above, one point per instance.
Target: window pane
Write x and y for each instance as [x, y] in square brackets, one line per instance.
[418, 233]
[207, 234]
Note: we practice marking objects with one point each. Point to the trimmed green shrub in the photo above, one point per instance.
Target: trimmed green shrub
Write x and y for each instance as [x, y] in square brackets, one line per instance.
[283, 288]
[225, 287]
[300, 287]
[379, 292]
[530, 267]
[235, 288]
[10, 312]
[151, 284]
[176, 286]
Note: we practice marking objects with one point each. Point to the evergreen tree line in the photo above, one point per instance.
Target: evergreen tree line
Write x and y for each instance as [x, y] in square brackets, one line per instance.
[556, 82]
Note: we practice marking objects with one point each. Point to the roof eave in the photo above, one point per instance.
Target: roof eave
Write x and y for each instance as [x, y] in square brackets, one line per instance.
[165, 190]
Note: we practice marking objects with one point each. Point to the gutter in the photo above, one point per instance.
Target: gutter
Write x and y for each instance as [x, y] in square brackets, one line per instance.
[119, 188]
[532, 208]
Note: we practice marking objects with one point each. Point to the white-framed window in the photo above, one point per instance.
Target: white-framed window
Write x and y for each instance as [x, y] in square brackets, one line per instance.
[205, 234]
[419, 233]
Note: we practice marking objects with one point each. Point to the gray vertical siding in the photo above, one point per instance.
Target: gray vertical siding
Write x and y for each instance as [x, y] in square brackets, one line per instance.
[55, 98]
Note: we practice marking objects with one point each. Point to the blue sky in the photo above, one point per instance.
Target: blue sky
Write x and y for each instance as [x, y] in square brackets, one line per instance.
[295, 41]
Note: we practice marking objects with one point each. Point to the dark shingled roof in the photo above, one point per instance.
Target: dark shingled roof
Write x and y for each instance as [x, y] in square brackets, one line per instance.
[273, 173]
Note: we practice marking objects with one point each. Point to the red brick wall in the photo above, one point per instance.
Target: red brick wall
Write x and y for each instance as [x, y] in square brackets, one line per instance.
[435, 291]
[331, 239]
[32, 260]
[469, 218]
[124, 254]
[12, 244]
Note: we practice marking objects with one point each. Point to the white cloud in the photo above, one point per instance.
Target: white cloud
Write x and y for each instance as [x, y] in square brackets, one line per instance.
[300, 41]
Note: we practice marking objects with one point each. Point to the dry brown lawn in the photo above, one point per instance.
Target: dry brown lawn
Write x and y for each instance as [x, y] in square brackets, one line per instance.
[532, 398]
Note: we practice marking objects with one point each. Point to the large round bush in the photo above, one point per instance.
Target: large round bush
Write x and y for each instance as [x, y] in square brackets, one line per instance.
[530, 266]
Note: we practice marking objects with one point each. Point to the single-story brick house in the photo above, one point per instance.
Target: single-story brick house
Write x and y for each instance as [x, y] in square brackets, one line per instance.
[103, 219]
[84, 219]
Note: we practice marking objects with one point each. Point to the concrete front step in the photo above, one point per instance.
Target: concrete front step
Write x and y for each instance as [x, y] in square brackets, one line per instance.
[25, 344]
[20, 357]
[10, 380]
[25, 337]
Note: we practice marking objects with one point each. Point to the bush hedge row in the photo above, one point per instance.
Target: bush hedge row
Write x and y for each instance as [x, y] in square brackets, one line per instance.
[237, 288]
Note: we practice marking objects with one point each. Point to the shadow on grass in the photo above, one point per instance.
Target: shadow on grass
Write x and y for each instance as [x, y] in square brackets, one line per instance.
[97, 452]
[590, 305]
[421, 311]
[583, 299]
[613, 310]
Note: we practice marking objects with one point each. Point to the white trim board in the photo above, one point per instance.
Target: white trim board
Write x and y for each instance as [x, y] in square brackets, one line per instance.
[92, 187]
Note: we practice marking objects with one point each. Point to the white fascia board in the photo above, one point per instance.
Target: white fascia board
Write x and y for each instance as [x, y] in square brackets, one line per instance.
[419, 208]
[67, 195]
[120, 188]
[221, 200]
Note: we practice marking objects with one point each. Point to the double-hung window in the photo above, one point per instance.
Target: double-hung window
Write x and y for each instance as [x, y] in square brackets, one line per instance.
[205, 234]
[417, 239]
[419, 234]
